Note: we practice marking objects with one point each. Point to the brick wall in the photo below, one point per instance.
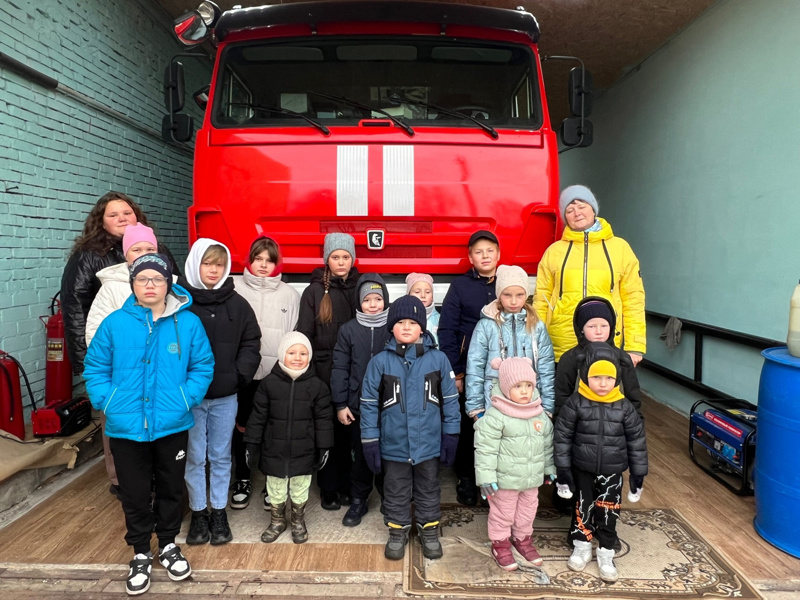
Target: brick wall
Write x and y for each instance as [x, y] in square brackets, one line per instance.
[59, 155]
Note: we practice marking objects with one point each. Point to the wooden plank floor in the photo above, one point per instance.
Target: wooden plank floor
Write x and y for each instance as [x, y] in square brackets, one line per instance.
[83, 523]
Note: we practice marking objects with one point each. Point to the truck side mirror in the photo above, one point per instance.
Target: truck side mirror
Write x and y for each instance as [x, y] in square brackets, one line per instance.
[573, 135]
[177, 127]
[174, 87]
[580, 87]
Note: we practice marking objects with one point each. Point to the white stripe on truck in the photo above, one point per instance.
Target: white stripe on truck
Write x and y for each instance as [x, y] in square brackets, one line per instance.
[351, 181]
[398, 181]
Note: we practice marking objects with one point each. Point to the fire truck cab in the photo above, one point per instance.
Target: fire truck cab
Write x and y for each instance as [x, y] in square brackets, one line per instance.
[408, 125]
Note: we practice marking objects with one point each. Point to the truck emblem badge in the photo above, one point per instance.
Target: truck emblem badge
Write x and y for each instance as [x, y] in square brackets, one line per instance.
[375, 239]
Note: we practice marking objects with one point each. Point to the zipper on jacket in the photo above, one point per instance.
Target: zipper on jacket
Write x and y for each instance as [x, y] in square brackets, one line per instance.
[610, 265]
[514, 333]
[371, 341]
[109, 398]
[180, 387]
[585, 260]
[600, 437]
[563, 268]
[289, 436]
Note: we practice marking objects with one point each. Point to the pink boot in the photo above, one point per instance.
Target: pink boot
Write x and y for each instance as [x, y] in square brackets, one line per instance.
[526, 549]
[501, 552]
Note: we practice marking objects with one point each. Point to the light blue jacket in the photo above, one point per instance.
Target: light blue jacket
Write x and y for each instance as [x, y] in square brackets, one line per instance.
[146, 377]
[433, 326]
[485, 346]
[409, 401]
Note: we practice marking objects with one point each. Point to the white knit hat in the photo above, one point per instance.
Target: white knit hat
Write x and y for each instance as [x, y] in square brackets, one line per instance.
[508, 275]
[577, 192]
[290, 339]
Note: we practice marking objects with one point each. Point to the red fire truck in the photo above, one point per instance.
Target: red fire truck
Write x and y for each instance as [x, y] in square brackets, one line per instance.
[408, 125]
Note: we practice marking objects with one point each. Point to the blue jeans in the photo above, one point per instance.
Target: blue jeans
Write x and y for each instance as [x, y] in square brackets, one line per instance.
[214, 421]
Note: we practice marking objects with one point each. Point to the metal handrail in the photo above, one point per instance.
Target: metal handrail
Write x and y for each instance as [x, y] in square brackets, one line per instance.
[701, 330]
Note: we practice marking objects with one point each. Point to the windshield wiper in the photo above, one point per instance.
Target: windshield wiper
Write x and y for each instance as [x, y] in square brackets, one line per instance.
[284, 111]
[396, 98]
[404, 126]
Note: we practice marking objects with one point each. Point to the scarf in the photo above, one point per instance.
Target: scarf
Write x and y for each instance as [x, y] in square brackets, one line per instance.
[612, 396]
[378, 320]
[294, 374]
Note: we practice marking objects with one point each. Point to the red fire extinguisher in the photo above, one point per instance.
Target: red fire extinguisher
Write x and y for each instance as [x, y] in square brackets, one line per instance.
[11, 419]
[58, 369]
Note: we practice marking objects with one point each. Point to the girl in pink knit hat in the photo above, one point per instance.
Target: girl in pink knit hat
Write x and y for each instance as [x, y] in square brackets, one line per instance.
[513, 457]
[421, 286]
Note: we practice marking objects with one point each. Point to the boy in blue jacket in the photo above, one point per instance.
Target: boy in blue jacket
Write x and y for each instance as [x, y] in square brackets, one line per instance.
[461, 311]
[149, 363]
[409, 424]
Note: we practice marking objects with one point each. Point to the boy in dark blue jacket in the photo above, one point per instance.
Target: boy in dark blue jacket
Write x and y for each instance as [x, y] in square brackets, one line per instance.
[461, 311]
[409, 424]
[358, 341]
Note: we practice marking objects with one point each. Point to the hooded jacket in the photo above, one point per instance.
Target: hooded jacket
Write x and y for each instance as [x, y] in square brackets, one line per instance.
[79, 286]
[409, 399]
[355, 346]
[276, 306]
[600, 437]
[590, 263]
[343, 294]
[291, 420]
[485, 347]
[566, 382]
[145, 376]
[461, 310]
[230, 324]
[114, 291]
[513, 446]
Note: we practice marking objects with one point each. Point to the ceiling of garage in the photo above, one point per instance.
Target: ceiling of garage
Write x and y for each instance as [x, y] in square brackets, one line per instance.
[611, 36]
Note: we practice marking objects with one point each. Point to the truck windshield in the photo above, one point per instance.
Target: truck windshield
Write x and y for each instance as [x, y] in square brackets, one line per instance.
[491, 82]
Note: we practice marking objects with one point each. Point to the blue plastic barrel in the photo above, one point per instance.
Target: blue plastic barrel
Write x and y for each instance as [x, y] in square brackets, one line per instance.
[777, 470]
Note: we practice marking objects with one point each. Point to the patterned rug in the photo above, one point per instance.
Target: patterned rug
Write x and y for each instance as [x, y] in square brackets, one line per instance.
[662, 557]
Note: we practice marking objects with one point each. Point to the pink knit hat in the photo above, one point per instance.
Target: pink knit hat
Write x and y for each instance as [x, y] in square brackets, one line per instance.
[413, 278]
[135, 234]
[512, 371]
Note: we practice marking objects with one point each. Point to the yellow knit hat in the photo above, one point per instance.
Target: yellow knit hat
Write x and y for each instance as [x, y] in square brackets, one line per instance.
[602, 367]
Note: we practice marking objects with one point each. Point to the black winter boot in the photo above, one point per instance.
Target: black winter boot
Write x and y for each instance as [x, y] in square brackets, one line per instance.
[396, 545]
[219, 528]
[198, 528]
[429, 538]
[358, 508]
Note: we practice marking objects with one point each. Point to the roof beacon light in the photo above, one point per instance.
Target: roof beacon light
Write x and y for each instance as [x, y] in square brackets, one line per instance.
[210, 13]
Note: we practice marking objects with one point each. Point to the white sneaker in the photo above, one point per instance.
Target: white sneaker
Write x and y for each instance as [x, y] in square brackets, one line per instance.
[581, 555]
[138, 581]
[605, 562]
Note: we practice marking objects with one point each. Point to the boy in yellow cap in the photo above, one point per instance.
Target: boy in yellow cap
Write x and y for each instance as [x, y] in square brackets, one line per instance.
[598, 436]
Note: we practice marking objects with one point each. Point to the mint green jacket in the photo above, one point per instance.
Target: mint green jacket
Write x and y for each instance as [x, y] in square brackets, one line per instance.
[513, 445]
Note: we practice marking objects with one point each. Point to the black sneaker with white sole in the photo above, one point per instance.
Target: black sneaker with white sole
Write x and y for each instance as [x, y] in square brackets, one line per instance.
[173, 560]
[138, 581]
[240, 499]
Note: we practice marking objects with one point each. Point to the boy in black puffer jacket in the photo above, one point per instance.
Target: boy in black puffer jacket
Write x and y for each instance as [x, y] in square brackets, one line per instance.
[235, 337]
[359, 340]
[598, 436]
[292, 422]
[594, 321]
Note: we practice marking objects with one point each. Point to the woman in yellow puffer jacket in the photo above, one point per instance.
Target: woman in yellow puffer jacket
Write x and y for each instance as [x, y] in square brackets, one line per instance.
[589, 260]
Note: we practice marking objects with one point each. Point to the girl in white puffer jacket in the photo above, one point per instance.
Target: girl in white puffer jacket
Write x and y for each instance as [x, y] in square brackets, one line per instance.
[277, 306]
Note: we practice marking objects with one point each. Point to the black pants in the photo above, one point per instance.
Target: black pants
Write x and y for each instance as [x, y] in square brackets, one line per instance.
[238, 447]
[401, 479]
[361, 478]
[597, 508]
[335, 477]
[139, 464]
[465, 452]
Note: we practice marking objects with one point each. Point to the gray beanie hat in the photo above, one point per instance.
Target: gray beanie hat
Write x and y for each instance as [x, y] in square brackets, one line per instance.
[577, 192]
[338, 241]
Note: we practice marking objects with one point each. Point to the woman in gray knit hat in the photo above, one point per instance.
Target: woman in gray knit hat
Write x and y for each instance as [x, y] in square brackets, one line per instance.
[327, 303]
[589, 260]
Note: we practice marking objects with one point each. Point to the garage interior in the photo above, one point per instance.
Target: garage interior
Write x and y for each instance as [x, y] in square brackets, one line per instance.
[693, 164]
